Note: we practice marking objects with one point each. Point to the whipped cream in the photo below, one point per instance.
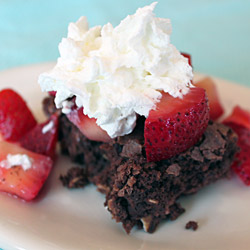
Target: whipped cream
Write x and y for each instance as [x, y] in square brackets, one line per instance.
[67, 106]
[117, 73]
[48, 127]
[17, 160]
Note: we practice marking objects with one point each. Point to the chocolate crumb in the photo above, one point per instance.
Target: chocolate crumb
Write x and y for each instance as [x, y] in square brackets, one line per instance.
[174, 169]
[76, 177]
[192, 225]
[131, 149]
[196, 155]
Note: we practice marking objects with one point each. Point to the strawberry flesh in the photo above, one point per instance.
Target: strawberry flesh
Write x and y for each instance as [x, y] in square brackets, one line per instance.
[52, 93]
[239, 121]
[216, 109]
[175, 124]
[88, 126]
[188, 56]
[240, 117]
[24, 183]
[42, 138]
[15, 117]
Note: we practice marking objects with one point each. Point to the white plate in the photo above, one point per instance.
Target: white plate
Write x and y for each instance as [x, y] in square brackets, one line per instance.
[76, 219]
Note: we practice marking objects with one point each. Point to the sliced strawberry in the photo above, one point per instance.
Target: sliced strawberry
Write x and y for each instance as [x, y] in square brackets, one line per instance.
[15, 117]
[241, 165]
[88, 126]
[239, 121]
[14, 178]
[240, 117]
[52, 93]
[176, 124]
[188, 56]
[216, 109]
[42, 138]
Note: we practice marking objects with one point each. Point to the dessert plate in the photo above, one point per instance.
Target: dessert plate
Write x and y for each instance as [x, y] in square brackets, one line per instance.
[76, 219]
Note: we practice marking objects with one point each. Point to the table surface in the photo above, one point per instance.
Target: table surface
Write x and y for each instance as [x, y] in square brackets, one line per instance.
[216, 33]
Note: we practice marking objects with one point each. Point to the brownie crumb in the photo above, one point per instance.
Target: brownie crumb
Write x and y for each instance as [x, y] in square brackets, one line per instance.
[174, 169]
[131, 149]
[192, 225]
[76, 177]
[175, 211]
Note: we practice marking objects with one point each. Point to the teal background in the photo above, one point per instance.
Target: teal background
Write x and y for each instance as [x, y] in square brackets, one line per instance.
[215, 32]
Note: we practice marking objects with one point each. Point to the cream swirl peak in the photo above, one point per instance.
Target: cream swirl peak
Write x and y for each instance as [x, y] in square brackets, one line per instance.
[117, 73]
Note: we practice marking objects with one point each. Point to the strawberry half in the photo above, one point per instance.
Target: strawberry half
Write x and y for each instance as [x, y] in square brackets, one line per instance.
[15, 117]
[239, 121]
[88, 125]
[14, 178]
[216, 109]
[42, 138]
[176, 124]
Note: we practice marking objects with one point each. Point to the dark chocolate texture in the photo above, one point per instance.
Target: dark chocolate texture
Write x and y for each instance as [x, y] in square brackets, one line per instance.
[192, 225]
[139, 193]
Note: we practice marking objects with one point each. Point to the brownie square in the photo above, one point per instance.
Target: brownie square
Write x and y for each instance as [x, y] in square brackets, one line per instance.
[141, 193]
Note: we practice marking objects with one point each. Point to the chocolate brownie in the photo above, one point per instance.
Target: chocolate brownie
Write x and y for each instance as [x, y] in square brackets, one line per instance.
[145, 193]
[76, 177]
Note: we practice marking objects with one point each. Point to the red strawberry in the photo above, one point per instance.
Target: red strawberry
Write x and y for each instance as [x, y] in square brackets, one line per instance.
[215, 106]
[188, 56]
[14, 179]
[15, 117]
[176, 124]
[88, 126]
[52, 93]
[42, 138]
[240, 117]
[241, 166]
[239, 121]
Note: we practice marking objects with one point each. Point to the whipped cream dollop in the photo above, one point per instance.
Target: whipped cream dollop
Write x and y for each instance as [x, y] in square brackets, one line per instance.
[17, 160]
[118, 72]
